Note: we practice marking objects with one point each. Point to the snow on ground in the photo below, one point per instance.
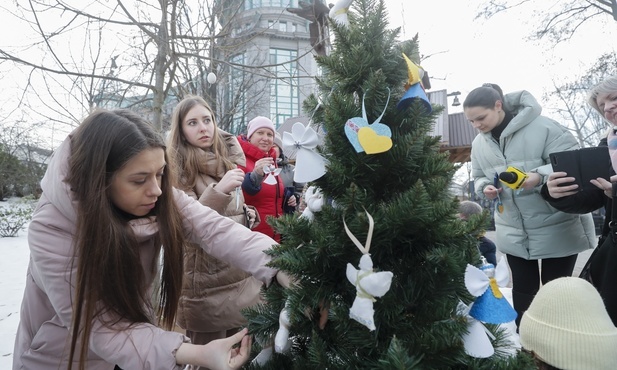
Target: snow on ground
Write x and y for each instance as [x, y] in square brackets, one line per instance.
[14, 256]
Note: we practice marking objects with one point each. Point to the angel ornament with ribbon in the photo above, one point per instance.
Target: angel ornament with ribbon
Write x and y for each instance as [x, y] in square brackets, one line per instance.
[369, 284]
[491, 306]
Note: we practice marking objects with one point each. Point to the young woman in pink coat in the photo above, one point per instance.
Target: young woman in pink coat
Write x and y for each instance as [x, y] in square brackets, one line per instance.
[106, 212]
[207, 159]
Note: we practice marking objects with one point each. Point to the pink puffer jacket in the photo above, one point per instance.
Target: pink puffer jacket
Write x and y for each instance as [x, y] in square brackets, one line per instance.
[43, 339]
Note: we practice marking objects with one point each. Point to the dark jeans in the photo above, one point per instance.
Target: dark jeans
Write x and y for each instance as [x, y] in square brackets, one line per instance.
[526, 277]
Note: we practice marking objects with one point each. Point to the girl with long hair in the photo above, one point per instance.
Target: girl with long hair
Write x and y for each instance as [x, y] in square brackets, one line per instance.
[207, 159]
[107, 212]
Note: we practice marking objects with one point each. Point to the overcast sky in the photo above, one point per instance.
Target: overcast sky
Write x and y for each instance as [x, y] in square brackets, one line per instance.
[462, 53]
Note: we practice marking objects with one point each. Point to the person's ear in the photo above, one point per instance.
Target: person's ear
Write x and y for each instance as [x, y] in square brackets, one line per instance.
[498, 105]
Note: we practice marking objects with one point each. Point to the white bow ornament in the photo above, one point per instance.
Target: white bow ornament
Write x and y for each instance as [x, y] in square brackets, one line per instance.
[303, 141]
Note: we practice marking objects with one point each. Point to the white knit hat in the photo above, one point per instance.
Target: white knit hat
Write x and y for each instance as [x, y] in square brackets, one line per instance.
[567, 326]
[257, 123]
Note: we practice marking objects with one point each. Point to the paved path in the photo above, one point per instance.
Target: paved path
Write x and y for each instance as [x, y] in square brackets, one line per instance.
[580, 261]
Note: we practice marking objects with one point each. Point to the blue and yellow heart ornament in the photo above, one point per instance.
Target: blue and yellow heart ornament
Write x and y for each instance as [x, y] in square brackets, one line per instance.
[414, 88]
[372, 139]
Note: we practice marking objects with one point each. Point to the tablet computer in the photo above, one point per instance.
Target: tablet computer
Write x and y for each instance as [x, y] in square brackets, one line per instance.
[583, 164]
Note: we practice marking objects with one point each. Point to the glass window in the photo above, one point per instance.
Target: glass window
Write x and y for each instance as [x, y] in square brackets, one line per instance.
[253, 4]
[283, 26]
[284, 89]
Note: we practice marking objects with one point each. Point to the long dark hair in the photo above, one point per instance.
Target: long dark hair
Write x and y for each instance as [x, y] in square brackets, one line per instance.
[110, 283]
[484, 96]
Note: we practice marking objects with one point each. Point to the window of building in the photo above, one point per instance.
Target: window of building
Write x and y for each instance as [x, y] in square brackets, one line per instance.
[294, 27]
[254, 4]
[284, 89]
[283, 26]
[236, 103]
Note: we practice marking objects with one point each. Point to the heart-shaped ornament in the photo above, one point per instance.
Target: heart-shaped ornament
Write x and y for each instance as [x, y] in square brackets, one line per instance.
[354, 125]
[372, 142]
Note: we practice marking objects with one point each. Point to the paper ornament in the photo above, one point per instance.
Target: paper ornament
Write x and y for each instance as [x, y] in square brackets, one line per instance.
[302, 143]
[369, 284]
[491, 306]
[314, 202]
[271, 172]
[414, 88]
[211, 78]
[477, 340]
[339, 12]
[372, 139]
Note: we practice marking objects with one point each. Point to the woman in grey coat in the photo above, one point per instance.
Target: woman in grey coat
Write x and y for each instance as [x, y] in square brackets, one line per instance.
[528, 229]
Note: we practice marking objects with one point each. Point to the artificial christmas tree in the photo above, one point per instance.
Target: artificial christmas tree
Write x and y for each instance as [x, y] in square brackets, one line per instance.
[383, 257]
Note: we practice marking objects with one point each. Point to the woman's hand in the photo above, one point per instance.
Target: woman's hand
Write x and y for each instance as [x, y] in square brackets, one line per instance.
[251, 214]
[491, 192]
[605, 185]
[556, 187]
[217, 355]
[533, 180]
[261, 163]
[292, 202]
[230, 181]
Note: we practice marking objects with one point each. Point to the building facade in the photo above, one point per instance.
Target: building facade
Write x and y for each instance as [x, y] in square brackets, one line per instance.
[273, 66]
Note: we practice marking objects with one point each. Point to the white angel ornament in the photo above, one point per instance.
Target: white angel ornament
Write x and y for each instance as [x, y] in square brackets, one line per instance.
[369, 284]
[314, 202]
[491, 306]
[302, 143]
[282, 343]
[270, 172]
[339, 12]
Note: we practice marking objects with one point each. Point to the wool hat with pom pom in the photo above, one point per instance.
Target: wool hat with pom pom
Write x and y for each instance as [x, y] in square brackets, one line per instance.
[257, 123]
[567, 326]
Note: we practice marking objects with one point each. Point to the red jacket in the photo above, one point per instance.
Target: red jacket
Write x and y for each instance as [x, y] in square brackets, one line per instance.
[267, 199]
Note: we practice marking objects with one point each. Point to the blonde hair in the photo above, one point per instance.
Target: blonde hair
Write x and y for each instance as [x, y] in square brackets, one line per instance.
[608, 86]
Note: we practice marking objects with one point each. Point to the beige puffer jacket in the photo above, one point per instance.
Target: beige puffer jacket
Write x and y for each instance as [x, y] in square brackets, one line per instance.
[213, 292]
